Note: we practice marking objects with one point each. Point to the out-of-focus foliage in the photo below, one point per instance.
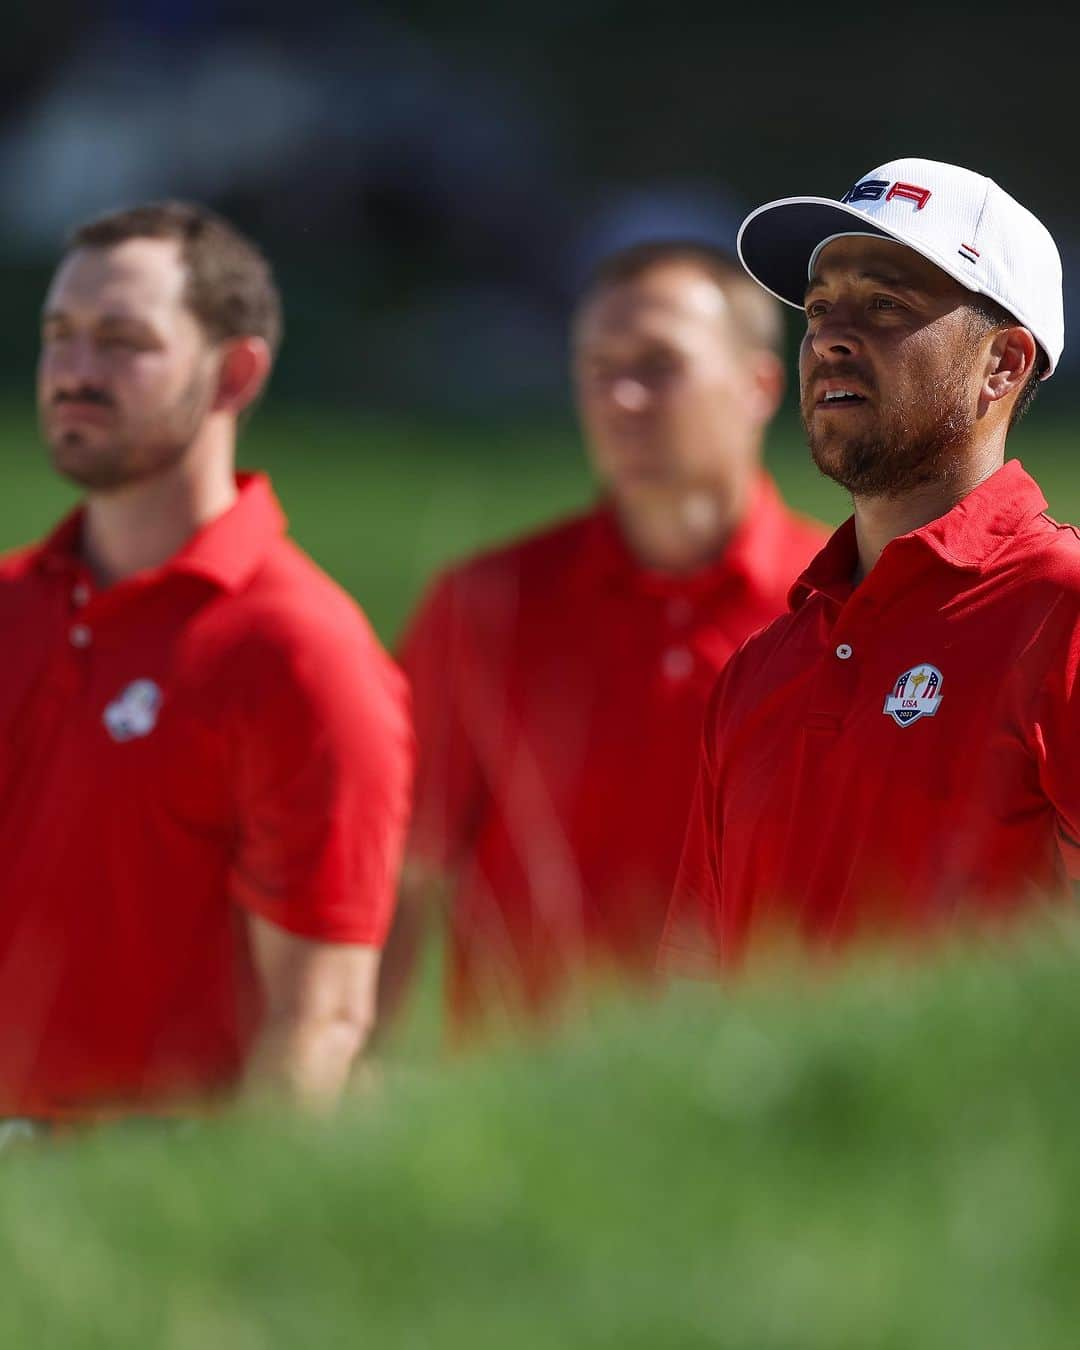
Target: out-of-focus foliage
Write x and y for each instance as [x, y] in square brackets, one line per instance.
[883, 1159]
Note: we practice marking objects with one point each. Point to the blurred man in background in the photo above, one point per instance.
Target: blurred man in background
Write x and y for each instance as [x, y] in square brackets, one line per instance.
[559, 683]
[206, 763]
[899, 750]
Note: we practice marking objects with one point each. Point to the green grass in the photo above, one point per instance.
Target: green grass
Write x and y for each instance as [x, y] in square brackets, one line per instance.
[886, 1160]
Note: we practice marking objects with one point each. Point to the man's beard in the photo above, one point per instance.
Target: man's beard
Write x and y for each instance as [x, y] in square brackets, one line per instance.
[132, 456]
[914, 443]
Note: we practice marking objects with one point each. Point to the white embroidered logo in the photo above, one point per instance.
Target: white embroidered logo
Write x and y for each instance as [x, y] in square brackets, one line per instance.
[917, 693]
[134, 712]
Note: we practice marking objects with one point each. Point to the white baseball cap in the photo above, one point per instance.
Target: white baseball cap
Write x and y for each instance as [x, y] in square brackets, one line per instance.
[962, 222]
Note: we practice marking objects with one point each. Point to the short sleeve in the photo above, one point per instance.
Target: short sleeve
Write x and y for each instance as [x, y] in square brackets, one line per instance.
[1059, 742]
[323, 767]
[691, 943]
[436, 654]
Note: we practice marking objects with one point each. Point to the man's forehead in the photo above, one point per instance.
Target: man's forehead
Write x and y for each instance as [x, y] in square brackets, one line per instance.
[659, 299]
[134, 275]
[863, 256]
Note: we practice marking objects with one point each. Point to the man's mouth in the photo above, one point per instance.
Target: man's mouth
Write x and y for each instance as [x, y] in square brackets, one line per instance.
[839, 397]
[80, 408]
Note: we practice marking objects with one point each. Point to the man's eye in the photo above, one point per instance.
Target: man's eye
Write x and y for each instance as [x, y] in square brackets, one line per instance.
[883, 302]
[815, 309]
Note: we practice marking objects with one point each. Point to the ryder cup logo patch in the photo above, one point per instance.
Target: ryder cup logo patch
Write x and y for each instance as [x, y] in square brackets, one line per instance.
[917, 693]
[134, 711]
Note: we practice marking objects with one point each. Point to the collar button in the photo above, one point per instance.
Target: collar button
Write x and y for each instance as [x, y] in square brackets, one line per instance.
[843, 652]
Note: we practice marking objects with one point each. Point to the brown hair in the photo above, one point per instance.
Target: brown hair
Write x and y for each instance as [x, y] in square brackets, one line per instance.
[756, 315]
[230, 287]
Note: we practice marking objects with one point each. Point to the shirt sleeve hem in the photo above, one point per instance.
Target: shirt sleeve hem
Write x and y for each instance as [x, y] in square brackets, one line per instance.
[297, 919]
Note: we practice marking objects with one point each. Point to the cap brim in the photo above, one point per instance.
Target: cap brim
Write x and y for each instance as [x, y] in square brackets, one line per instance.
[777, 241]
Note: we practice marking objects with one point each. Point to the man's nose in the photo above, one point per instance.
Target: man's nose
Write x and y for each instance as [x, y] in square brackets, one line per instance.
[72, 363]
[629, 395]
[835, 337]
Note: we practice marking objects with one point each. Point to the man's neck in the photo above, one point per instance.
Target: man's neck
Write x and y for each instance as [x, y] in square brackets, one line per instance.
[879, 520]
[138, 527]
[681, 531]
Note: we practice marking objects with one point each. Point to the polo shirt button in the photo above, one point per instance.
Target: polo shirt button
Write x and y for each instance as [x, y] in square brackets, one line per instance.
[79, 635]
[80, 593]
[843, 651]
[677, 663]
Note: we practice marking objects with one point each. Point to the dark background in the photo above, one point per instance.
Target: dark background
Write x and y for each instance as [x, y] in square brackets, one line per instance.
[432, 178]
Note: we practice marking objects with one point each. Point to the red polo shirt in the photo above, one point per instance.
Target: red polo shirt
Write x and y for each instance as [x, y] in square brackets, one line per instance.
[222, 734]
[558, 691]
[886, 754]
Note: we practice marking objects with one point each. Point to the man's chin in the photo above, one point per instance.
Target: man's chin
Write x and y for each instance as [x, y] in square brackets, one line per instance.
[640, 491]
[871, 469]
[84, 464]
[857, 469]
[847, 459]
[832, 459]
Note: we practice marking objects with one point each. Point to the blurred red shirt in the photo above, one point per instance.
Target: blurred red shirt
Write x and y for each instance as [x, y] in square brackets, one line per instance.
[898, 753]
[218, 736]
[558, 692]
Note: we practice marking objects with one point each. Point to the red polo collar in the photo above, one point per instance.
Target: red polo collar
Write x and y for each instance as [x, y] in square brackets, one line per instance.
[225, 552]
[968, 537]
[751, 555]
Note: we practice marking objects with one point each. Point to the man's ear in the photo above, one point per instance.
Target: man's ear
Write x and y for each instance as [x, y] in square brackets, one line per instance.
[1010, 363]
[767, 380]
[245, 368]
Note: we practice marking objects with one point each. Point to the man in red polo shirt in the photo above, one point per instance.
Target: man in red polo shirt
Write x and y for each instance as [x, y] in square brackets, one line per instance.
[900, 748]
[206, 763]
[559, 683]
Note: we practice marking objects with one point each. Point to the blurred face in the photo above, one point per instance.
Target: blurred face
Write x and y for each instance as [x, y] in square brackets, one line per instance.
[889, 369]
[668, 401]
[126, 375]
